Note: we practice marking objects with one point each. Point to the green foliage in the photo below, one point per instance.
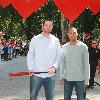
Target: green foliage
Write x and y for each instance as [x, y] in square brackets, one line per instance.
[13, 25]
[96, 32]
[88, 22]
[49, 10]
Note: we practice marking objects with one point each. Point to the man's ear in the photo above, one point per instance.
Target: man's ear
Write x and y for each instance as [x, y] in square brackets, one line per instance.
[67, 33]
[77, 34]
[42, 26]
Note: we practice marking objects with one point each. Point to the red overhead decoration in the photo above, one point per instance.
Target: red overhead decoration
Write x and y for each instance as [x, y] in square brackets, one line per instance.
[71, 8]
[26, 7]
[4, 3]
[94, 6]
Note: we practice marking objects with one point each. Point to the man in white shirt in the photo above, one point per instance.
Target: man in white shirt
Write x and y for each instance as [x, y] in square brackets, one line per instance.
[74, 70]
[43, 56]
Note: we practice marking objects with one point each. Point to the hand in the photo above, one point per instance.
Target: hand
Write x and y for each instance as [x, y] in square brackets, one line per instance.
[62, 81]
[52, 70]
[30, 72]
[98, 68]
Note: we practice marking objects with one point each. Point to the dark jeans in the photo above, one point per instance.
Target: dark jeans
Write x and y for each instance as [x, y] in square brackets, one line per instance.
[79, 88]
[92, 73]
[37, 82]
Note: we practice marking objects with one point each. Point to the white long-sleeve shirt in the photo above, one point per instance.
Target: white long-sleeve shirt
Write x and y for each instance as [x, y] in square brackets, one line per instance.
[43, 53]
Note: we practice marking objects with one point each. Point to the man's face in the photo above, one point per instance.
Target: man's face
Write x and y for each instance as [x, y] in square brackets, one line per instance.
[94, 44]
[47, 26]
[72, 34]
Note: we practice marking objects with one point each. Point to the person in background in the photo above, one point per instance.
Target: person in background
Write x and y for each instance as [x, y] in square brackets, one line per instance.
[1, 45]
[74, 66]
[94, 60]
[5, 49]
[87, 38]
[43, 56]
[1, 48]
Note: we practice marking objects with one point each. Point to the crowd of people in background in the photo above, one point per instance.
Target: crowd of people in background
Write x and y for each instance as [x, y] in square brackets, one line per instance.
[13, 49]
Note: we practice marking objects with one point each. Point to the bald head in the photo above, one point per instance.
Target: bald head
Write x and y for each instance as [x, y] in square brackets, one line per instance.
[72, 33]
[71, 28]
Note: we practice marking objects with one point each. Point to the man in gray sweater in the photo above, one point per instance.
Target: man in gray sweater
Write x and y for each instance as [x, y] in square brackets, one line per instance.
[74, 70]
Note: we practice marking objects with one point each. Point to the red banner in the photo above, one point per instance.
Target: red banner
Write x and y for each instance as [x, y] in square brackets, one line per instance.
[71, 8]
[94, 6]
[26, 7]
[4, 3]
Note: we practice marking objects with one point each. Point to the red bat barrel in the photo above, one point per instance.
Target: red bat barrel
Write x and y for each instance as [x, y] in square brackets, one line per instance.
[24, 73]
[20, 73]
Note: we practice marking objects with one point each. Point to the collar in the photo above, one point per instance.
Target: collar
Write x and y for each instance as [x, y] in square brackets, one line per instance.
[49, 36]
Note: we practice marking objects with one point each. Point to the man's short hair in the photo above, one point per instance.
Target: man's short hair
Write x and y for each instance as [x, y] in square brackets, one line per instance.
[48, 19]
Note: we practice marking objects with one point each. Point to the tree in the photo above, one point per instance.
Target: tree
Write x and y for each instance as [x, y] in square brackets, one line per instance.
[86, 22]
[12, 24]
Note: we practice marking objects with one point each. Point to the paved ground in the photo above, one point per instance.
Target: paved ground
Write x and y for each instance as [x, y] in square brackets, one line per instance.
[17, 88]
